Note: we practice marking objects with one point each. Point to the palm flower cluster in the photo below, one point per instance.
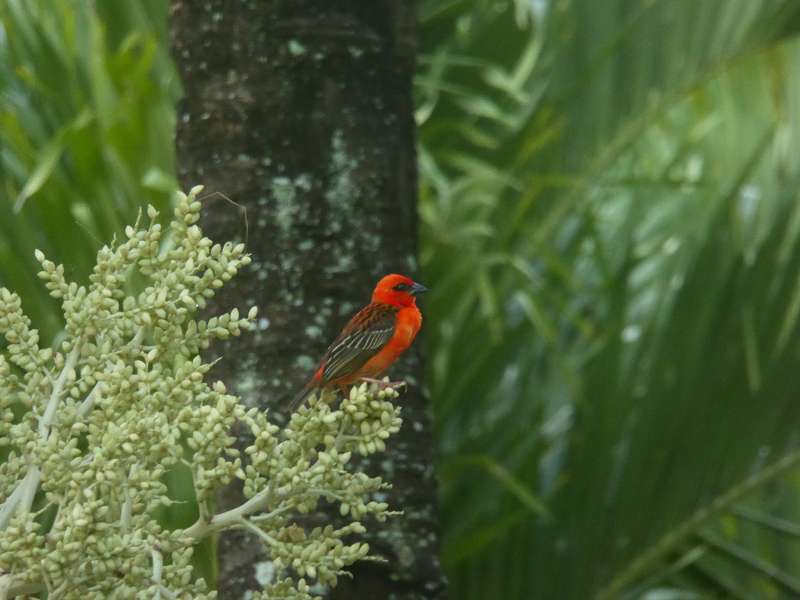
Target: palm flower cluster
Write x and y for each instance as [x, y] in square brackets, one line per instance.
[90, 429]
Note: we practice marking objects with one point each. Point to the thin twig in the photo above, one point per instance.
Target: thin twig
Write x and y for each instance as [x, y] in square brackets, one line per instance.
[50, 412]
[242, 209]
[263, 535]
[22, 497]
[158, 563]
[88, 403]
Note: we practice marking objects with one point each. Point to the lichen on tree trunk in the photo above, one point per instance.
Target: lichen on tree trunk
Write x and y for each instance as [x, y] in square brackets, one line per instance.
[301, 111]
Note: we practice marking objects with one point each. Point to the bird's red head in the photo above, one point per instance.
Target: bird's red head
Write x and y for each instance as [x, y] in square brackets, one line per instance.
[397, 290]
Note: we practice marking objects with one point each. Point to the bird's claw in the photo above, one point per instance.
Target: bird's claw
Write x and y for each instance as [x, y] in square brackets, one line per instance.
[382, 384]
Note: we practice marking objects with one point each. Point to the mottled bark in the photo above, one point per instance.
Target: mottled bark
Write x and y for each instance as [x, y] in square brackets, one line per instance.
[301, 111]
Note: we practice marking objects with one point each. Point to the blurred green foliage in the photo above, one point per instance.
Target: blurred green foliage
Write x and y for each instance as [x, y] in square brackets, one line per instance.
[611, 229]
[86, 123]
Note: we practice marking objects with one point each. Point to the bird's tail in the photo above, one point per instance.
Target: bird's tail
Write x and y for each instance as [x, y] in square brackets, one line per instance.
[301, 395]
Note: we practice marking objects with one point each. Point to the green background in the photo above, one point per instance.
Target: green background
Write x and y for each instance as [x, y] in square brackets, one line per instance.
[610, 223]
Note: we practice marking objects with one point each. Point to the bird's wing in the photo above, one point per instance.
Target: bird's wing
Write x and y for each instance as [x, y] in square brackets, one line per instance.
[361, 339]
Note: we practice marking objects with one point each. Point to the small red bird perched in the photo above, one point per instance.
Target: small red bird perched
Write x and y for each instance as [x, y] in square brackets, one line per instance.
[373, 339]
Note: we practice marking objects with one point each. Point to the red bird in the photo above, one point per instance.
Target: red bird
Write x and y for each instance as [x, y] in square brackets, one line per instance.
[373, 339]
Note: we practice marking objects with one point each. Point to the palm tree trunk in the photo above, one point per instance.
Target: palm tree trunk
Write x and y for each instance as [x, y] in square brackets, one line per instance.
[301, 111]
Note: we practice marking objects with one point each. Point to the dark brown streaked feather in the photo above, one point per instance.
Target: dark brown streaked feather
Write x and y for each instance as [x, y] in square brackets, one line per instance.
[361, 339]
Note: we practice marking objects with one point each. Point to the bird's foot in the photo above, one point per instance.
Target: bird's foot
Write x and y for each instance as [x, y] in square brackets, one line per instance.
[384, 384]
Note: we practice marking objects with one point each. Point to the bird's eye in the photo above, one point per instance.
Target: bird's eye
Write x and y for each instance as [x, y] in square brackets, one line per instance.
[402, 287]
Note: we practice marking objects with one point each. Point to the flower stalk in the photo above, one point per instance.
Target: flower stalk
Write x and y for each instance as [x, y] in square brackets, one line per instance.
[94, 425]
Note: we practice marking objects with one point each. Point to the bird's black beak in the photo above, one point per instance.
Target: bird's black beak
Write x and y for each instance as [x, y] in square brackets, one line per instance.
[417, 289]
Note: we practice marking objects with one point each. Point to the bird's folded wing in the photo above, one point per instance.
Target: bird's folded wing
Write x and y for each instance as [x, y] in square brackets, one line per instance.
[361, 339]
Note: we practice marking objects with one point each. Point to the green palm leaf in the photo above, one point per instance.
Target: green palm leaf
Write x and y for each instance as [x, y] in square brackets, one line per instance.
[620, 331]
[85, 128]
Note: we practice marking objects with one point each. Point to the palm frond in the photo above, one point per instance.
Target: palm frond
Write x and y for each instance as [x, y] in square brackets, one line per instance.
[623, 243]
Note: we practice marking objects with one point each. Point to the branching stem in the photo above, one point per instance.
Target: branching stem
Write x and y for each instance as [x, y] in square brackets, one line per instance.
[22, 497]
[202, 529]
